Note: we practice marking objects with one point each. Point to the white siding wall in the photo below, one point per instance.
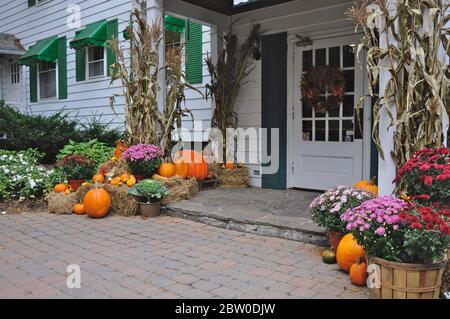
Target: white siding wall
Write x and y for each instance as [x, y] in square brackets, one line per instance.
[308, 18]
[86, 98]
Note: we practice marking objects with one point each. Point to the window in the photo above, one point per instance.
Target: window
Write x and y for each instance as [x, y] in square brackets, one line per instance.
[47, 80]
[96, 61]
[15, 73]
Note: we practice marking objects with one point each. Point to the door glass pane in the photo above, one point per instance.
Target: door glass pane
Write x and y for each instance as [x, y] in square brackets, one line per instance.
[320, 113]
[349, 107]
[333, 132]
[321, 57]
[307, 60]
[334, 112]
[307, 131]
[306, 110]
[334, 56]
[320, 130]
[349, 56]
[347, 131]
[349, 76]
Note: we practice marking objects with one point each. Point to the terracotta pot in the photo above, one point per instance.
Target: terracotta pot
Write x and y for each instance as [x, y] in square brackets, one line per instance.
[334, 238]
[150, 210]
[75, 183]
[405, 281]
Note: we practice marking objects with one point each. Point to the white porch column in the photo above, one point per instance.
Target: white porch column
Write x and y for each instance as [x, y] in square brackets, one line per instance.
[386, 166]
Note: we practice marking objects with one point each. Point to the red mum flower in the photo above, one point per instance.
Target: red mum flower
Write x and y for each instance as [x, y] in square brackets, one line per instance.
[422, 196]
[425, 167]
[417, 225]
[428, 181]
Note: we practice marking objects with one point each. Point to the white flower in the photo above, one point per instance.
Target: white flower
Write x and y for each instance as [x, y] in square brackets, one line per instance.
[344, 199]
[32, 183]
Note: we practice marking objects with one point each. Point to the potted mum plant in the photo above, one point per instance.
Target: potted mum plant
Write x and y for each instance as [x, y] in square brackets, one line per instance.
[152, 192]
[326, 210]
[143, 159]
[406, 241]
[76, 169]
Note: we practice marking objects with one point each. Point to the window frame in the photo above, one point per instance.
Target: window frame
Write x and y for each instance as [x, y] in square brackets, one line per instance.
[15, 73]
[88, 76]
[39, 82]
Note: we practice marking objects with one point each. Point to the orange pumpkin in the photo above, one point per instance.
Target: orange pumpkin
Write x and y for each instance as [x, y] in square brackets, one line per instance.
[197, 167]
[97, 203]
[229, 165]
[368, 186]
[358, 273]
[99, 178]
[78, 209]
[181, 168]
[116, 181]
[60, 188]
[167, 170]
[348, 252]
[124, 177]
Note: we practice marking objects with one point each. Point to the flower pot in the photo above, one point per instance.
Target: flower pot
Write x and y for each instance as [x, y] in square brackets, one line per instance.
[75, 183]
[149, 210]
[334, 238]
[406, 281]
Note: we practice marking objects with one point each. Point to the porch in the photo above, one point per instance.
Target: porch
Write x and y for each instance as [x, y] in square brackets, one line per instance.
[261, 211]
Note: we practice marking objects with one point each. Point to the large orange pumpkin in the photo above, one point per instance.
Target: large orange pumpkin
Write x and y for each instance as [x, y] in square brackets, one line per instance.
[167, 170]
[197, 167]
[60, 188]
[99, 178]
[181, 168]
[348, 252]
[97, 203]
[78, 209]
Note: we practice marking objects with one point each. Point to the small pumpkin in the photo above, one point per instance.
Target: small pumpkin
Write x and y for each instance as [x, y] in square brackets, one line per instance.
[329, 256]
[99, 178]
[358, 273]
[78, 209]
[116, 181]
[229, 165]
[368, 186]
[131, 181]
[97, 203]
[124, 177]
[167, 170]
[60, 188]
[348, 252]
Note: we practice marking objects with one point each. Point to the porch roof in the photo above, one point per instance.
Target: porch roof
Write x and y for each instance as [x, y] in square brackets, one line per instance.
[9, 44]
[227, 7]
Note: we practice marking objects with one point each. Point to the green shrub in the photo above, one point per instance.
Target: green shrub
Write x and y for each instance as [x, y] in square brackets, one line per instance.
[96, 129]
[21, 176]
[93, 149]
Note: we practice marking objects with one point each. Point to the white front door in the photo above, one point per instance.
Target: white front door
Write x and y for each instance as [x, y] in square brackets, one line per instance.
[328, 146]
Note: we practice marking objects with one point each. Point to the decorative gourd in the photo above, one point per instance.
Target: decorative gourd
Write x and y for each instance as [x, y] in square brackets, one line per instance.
[67, 192]
[86, 184]
[329, 256]
[167, 170]
[368, 186]
[78, 209]
[229, 165]
[358, 273]
[181, 168]
[131, 181]
[97, 203]
[124, 177]
[116, 181]
[99, 178]
[348, 252]
[60, 188]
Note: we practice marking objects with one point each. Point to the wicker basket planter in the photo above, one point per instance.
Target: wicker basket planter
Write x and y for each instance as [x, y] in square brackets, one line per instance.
[408, 281]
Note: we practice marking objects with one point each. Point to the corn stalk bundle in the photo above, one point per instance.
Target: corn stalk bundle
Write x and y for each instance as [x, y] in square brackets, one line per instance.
[228, 75]
[416, 57]
[145, 121]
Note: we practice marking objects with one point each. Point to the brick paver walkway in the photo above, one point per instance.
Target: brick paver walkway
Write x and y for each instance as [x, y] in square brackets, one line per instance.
[160, 258]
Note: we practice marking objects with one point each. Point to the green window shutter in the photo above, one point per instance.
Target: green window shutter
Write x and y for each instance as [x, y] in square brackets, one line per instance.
[33, 83]
[194, 61]
[62, 67]
[112, 32]
[80, 62]
[31, 3]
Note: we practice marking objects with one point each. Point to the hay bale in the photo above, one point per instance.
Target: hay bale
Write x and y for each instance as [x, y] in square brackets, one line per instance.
[122, 204]
[214, 170]
[237, 177]
[179, 188]
[445, 288]
[60, 203]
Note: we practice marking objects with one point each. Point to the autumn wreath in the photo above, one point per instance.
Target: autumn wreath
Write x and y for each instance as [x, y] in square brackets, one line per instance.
[323, 88]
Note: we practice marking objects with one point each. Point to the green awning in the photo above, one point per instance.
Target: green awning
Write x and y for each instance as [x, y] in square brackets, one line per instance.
[175, 24]
[43, 50]
[92, 34]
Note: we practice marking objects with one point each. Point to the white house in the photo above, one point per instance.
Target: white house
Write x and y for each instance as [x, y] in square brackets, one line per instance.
[315, 151]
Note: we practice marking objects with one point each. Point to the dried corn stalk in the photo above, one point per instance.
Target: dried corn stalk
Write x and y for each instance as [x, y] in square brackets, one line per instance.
[416, 56]
[228, 75]
[145, 122]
